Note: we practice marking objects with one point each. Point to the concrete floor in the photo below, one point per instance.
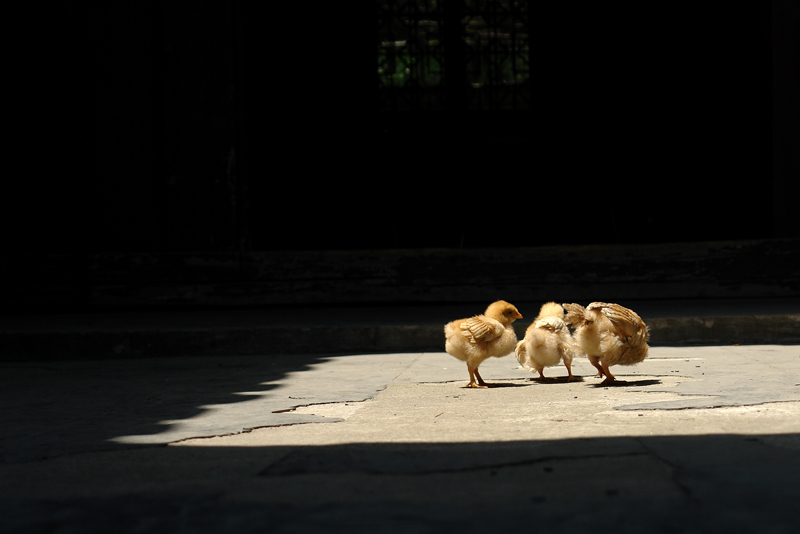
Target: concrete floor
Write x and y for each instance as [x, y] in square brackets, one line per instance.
[694, 439]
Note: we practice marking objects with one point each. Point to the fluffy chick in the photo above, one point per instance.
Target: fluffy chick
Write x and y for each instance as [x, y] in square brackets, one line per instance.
[609, 334]
[480, 337]
[547, 342]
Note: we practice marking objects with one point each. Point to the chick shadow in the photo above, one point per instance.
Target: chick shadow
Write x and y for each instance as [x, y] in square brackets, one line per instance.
[556, 379]
[495, 385]
[627, 383]
[506, 385]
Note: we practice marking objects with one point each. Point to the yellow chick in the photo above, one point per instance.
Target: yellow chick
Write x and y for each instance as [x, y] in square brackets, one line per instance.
[609, 334]
[547, 342]
[483, 336]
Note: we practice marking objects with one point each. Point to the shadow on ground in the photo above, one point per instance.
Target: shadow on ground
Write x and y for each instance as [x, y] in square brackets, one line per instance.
[51, 409]
[725, 483]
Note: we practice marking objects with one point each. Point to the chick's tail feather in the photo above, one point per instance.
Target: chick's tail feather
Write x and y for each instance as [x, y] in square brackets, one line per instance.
[520, 352]
[553, 324]
[576, 314]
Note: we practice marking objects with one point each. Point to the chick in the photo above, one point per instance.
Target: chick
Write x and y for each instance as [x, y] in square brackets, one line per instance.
[547, 342]
[609, 334]
[483, 336]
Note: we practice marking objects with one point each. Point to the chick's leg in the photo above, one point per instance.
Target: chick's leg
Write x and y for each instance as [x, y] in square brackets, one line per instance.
[594, 360]
[609, 376]
[480, 379]
[472, 383]
[568, 365]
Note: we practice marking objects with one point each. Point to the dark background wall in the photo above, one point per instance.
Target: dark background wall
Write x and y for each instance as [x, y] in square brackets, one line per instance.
[218, 126]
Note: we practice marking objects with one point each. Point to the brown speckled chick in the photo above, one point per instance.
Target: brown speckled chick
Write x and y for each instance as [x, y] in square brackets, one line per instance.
[609, 334]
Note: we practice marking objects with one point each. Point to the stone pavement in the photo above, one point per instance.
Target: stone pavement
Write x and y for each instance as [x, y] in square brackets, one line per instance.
[694, 439]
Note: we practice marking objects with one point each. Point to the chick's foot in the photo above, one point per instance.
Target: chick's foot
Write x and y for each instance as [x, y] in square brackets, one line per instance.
[480, 384]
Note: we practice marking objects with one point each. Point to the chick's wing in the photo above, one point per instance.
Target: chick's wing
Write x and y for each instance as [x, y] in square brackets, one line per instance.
[625, 321]
[480, 328]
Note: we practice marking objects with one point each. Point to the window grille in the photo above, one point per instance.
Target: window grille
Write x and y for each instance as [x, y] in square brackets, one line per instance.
[454, 55]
